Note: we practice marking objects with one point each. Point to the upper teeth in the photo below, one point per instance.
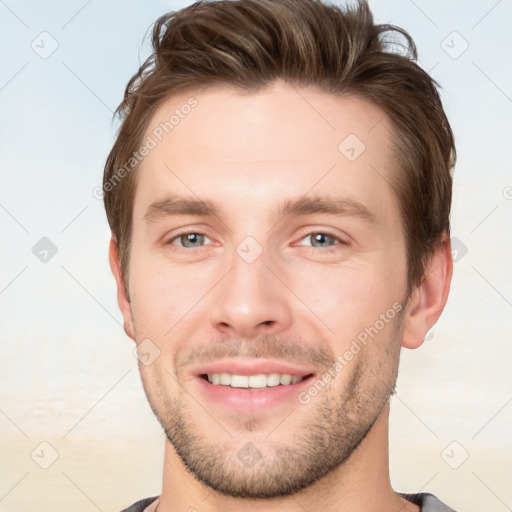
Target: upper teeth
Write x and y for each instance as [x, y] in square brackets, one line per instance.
[261, 380]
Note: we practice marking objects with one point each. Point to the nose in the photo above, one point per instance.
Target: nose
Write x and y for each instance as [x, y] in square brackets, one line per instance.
[250, 301]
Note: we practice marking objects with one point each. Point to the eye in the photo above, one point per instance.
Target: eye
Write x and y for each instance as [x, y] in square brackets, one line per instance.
[323, 240]
[189, 240]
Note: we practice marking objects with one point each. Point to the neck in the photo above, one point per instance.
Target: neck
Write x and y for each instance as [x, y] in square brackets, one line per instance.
[361, 484]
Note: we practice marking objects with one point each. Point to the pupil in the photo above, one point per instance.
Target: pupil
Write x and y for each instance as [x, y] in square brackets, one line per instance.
[320, 238]
[191, 239]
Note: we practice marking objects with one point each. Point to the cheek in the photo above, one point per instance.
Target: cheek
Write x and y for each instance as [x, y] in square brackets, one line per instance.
[162, 293]
[348, 294]
[357, 307]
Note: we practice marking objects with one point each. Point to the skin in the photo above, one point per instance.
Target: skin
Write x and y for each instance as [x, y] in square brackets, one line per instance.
[299, 300]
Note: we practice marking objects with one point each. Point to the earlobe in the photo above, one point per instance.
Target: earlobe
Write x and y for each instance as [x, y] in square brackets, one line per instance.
[123, 299]
[428, 300]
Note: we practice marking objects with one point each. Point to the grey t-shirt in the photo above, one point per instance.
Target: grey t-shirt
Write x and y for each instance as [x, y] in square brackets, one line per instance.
[427, 503]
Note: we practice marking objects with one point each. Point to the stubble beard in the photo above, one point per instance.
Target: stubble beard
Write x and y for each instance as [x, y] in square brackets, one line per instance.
[338, 421]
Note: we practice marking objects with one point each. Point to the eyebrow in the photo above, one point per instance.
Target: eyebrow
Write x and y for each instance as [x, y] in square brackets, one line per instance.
[327, 205]
[178, 205]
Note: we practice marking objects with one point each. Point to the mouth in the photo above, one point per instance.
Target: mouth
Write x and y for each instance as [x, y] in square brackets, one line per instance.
[257, 381]
[251, 385]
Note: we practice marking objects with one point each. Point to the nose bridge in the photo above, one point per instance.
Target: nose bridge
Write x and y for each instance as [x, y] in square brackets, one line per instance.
[250, 271]
[250, 300]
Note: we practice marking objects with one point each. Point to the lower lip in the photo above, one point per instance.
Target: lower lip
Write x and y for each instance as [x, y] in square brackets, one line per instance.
[251, 400]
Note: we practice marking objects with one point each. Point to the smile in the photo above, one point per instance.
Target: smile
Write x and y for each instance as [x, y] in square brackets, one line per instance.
[257, 381]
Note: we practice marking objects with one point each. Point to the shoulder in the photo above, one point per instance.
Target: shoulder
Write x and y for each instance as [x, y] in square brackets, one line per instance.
[141, 505]
[427, 502]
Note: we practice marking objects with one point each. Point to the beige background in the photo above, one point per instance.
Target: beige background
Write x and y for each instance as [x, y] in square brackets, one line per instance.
[68, 375]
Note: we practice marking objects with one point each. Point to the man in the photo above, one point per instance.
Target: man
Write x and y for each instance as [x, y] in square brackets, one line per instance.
[279, 196]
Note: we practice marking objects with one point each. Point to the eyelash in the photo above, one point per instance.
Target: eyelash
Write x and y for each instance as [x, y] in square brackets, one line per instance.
[326, 250]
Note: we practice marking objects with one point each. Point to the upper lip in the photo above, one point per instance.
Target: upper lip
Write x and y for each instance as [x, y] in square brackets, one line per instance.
[251, 367]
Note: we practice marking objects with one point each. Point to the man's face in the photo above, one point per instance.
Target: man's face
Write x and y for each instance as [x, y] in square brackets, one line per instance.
[251, 290]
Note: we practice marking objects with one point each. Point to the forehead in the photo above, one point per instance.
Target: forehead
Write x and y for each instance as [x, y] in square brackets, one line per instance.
[229, 123]
[281, 140]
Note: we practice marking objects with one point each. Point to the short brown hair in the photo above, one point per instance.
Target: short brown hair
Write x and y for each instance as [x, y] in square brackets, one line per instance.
[248, 44]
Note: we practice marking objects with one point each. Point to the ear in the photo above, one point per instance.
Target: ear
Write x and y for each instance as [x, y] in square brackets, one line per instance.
[428, 300]
[123, 298]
